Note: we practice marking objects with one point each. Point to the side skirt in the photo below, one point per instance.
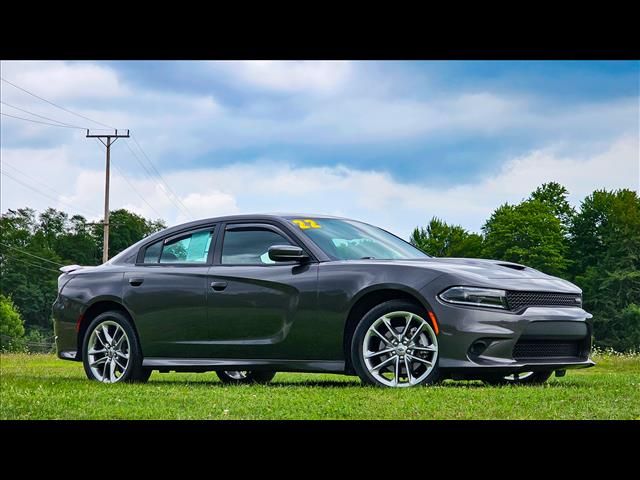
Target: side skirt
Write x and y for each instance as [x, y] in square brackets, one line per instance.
[209, 364]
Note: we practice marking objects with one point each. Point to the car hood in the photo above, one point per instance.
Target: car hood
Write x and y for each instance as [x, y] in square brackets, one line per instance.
[489, 273]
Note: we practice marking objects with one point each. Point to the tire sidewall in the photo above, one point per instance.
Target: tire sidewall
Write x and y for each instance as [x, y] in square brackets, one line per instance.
[253, 377]
[538, 378]
[371, 316]
[135, 371]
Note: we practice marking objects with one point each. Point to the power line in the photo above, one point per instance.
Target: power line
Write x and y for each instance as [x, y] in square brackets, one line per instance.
[38, 121]
[136, 190]
[150, 175]
[185, 209]
[124, 176]
[41, 116]
[7, 174]
[34, 265]
[31, 254]
[5, 164]
[55, 104]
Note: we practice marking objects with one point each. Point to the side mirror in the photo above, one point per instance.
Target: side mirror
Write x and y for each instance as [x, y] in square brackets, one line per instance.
[287, 253]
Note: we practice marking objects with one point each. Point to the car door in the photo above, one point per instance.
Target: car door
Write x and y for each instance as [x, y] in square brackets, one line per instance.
[166, 293]
[259, 308]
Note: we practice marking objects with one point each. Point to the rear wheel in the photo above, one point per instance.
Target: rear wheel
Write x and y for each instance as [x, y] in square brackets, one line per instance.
[240, 377]
[519, 378]
[395, 346]
[111, 352]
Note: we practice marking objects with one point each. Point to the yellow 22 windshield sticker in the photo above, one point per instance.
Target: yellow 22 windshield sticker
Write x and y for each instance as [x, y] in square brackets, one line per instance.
[306, 223]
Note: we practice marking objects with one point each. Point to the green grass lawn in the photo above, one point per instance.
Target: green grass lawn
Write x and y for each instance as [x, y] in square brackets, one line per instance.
[43, 387]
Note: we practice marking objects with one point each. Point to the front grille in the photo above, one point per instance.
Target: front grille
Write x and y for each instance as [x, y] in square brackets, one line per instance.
[519, 300]
[546, 349]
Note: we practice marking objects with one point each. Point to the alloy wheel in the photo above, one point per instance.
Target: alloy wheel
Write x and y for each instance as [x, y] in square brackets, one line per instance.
[400, 349]
[108, 352]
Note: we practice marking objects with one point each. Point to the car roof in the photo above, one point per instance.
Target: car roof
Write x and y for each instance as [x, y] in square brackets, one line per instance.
[120, 258]
[248, 216]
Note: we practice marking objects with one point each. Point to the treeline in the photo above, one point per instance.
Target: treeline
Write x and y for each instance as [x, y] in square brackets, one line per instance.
[33, 247]
[596, 246]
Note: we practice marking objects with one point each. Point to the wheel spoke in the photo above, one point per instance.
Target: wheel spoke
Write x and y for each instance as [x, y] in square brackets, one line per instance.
[104, 371]
[407, 365]
[384, 339]
[98, 362]
[396, 378]
[112, 370]
[428, 348]
[96, 352]
[415, 334]
[387, 323]
[418, 359]
[384, 363]
[406, 327]
[102, 342]
[105, 332]
[122, 354]
[381, 352]
[123, 367]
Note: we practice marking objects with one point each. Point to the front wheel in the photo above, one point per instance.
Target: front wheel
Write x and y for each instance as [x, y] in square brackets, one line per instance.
[240, 377]
[395, 346]
[110, 350]
[520, 378]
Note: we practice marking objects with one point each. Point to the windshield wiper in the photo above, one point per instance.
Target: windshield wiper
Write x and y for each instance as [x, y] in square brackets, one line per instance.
[367, 258]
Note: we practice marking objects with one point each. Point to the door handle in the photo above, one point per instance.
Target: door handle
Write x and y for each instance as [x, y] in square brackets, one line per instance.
[218, 286]
[136, 282]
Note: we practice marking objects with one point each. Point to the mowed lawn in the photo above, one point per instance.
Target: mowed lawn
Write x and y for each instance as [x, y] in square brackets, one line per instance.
[43, 387]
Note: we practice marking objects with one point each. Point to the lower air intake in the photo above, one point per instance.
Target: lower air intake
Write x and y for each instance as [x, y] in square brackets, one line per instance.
[546, 349]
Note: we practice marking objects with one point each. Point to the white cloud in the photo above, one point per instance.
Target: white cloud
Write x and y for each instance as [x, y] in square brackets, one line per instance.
[289, 76]
[271, 186]
[61, 80]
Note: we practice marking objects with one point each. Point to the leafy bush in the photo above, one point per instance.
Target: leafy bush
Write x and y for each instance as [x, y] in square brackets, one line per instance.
[11, 324]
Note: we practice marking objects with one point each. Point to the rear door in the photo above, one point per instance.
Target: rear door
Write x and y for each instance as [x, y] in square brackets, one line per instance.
[259, 308]
[166, 292]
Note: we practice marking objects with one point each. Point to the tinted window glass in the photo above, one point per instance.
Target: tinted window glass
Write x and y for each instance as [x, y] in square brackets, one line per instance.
[192, 248]
[250, 246]
[152, 254]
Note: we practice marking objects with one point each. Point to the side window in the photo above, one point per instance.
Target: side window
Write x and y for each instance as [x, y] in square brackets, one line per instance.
[192, 248]
[152, 254]
[188, 248]
[250, 246]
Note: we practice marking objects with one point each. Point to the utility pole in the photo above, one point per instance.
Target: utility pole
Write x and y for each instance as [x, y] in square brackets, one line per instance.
[109, 139]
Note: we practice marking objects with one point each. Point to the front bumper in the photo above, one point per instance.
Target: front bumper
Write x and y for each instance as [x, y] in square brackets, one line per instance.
[477, 341]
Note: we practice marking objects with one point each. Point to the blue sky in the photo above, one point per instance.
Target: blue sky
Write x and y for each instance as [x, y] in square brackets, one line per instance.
[393, 143]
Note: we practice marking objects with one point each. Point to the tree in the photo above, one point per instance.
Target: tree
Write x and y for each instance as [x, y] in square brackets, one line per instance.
[126, 228]
[443, 240]
[11, 323]
[32, 248]
[554, 196]
[527, 233]
[605, 249]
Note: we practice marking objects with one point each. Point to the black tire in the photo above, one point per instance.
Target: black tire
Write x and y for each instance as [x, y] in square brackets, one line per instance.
[369, 318]
[135, 372]
[251, 377]
[536, 378]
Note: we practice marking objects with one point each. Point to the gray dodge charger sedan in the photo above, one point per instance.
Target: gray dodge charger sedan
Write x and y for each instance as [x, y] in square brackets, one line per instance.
[247, 296]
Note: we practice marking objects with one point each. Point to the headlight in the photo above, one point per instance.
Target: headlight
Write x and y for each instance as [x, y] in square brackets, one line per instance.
[477, 297]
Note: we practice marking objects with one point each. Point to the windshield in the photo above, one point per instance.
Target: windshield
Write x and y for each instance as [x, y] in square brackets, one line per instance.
[350, 240]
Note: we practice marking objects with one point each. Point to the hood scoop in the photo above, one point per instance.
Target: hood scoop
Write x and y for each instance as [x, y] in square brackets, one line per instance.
[513, 266]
